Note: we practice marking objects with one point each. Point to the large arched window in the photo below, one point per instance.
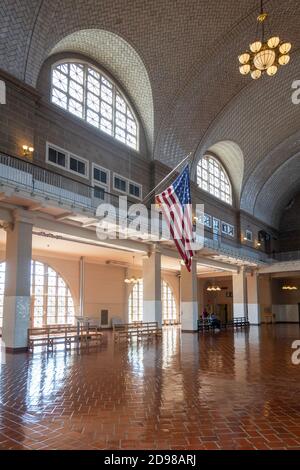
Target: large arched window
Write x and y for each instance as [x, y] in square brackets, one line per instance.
[169, 311]
[90, 95]
[212, 177]
[51, 299]
[135, 303]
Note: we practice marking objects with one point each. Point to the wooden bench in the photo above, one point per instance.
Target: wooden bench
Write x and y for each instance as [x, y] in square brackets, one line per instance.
[136, 329]
[170, 322]
[238, 322]
[62, 334]
[205, 325]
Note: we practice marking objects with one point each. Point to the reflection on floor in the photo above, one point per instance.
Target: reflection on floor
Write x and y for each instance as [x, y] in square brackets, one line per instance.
[213, 391]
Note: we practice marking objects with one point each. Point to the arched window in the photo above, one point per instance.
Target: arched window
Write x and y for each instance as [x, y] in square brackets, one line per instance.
[51, 299]
[169, 311]
[2, 284]
[212, 177]
[87, 93]
[135, 303]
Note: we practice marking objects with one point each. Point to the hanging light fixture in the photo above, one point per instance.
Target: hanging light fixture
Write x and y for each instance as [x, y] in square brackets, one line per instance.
[264, 55]
[289, 287]
[132, 279]
[213, 288]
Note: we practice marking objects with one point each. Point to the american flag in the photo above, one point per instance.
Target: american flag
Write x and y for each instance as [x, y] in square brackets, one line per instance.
[175, 203]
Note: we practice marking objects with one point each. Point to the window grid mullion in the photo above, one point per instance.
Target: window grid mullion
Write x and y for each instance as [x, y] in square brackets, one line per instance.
[130, 138]
[45, 296]
[114, 110]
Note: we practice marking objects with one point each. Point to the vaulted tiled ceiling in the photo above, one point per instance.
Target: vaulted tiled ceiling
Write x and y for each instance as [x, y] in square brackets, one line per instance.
[189, 50]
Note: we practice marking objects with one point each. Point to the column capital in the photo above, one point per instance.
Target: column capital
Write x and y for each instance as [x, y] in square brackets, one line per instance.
[7, 226]
[154, 248]
[22, 215]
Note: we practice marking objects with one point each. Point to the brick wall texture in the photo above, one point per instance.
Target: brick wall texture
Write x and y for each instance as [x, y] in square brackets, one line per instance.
[177, 61]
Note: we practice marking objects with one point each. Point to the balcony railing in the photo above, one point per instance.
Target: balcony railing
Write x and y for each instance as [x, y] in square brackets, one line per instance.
[36, 180]
[287, 256]
[50, 184]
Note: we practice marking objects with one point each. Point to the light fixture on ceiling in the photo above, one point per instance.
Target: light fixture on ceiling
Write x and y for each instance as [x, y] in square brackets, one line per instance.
[265, 55]
[132, 279]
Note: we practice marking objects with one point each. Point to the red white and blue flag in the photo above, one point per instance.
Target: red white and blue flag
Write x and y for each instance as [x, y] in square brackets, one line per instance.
[176, 205]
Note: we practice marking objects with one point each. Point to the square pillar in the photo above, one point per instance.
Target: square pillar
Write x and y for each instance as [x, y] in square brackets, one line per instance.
[16, 307]
[152, 288]
[265, 296]
[253, 302]
[239, 294]
[189, 298]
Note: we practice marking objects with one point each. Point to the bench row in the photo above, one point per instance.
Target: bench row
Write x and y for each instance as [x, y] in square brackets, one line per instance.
[62, 334]
[238, 322]
[137, 329]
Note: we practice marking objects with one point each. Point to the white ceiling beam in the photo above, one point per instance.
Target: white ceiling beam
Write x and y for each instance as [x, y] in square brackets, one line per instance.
[64, 216]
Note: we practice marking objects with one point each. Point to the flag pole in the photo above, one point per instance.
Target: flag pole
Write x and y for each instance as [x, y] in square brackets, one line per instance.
[166, 177]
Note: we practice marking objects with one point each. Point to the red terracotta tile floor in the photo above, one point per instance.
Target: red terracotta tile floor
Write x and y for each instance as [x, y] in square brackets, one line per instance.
[228, 390]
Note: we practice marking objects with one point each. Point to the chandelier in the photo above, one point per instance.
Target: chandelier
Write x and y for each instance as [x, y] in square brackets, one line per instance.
[289, 287]
[265, 55]
[132, 279]
[213, 288]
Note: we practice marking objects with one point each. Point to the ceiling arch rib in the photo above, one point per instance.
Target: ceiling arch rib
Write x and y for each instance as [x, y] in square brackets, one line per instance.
[122, 61]
[215, 102]
[265, 169]
[278, 191]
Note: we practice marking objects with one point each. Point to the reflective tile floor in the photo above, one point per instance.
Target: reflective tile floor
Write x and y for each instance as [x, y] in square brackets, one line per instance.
[213, 391]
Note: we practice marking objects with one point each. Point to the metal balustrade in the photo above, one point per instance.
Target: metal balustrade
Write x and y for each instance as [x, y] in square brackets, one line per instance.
[287, 256]
[37, 180]
[25, 175]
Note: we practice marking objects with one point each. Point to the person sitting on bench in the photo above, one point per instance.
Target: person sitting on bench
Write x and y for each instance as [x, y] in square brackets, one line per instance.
[215, 322]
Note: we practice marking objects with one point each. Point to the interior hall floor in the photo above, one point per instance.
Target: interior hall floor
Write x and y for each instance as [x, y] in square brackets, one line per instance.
[228, 390]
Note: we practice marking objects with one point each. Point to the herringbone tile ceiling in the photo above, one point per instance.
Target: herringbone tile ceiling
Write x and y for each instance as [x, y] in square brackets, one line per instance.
[186, 86]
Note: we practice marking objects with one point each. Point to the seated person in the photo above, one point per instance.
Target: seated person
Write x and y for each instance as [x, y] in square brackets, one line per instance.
[215, 322]
[204, 314]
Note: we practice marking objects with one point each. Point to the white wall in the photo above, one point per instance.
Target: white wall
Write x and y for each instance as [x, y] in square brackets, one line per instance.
[286, 313]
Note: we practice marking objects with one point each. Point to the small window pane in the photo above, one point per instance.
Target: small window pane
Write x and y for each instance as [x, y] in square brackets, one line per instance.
[106, 126]
[100, 175]
[76, 73]
[76, 90]
[134, 190]
[120, 184]
[75, 108]
[59, 98]
[54, 156]
[93, 102]
[92, 118]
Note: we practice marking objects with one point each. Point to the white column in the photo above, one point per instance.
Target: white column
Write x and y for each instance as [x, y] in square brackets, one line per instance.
[16, 308]
[252, 295]
[81, 286]
[152, 288]
[189, 298]
[239, 294]
[265, 297]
